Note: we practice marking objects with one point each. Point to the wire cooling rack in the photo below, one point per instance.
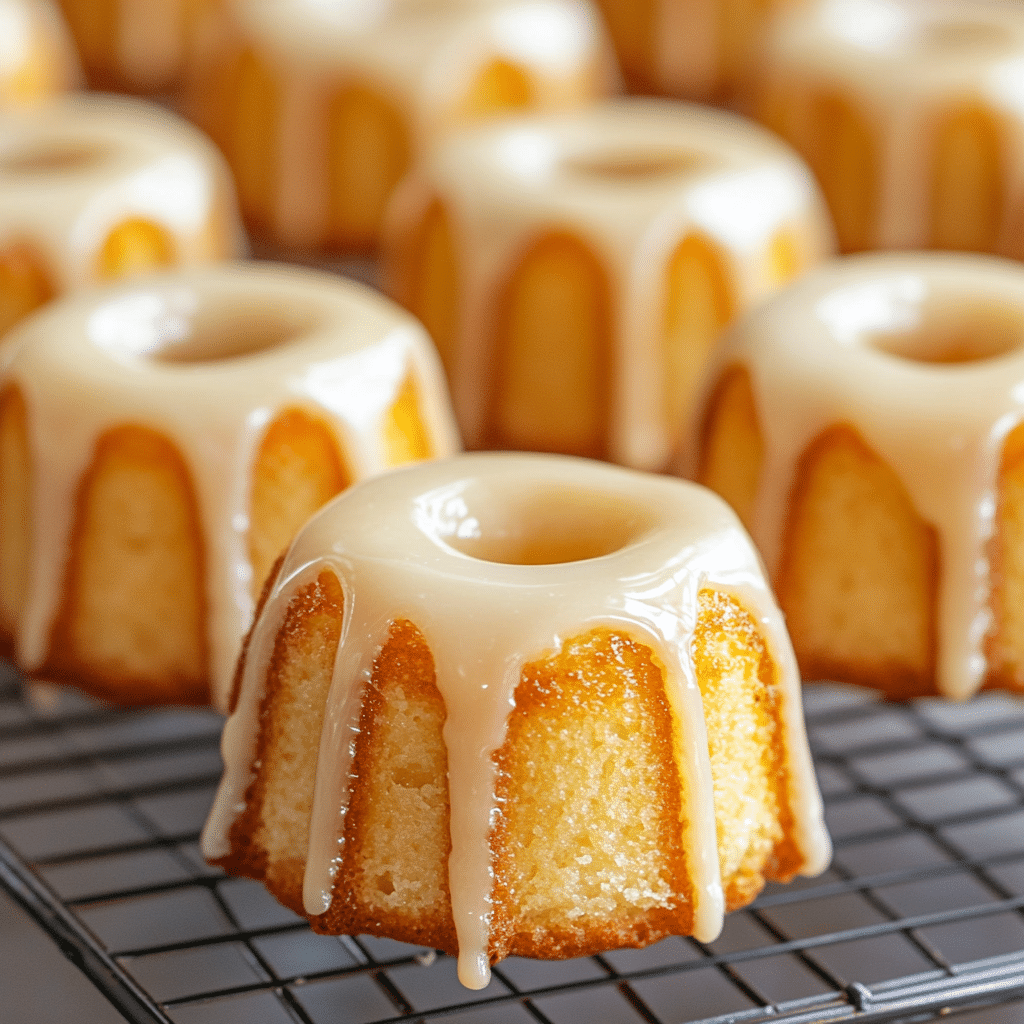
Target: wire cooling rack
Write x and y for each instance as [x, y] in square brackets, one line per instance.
[921, 913]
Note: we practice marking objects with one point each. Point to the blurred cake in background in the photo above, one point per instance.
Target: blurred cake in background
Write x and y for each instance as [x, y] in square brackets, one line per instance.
[94, 188]
[691, 49]
[37, 55]
[910, 113]
[161, 440]
[577, 269]
[868, 426]
[320, 108]
[138, 46]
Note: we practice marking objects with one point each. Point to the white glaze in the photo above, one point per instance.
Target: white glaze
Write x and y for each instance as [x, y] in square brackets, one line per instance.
[433, 544]
[940, 427]
[903, 64]
[137, 160]
[32, 31]
[102, 358]
[507, 184]
[418, 54]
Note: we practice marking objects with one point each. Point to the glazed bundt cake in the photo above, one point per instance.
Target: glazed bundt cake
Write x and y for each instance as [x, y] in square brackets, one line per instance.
[94, 188]
[694, 49]
[37, 57]
[576, 717]
[320, 108]
[867, 427]
[908, 111]
[576, 269]
[138, 46]
[160, 443]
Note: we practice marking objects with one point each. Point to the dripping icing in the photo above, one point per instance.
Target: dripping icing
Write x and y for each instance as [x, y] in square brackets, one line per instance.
[346, 359]
[401, 550]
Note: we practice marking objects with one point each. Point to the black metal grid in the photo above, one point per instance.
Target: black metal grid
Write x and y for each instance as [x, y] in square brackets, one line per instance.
[921, 912]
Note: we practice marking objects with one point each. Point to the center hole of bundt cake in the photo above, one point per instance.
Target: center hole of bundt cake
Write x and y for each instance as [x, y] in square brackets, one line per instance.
[244, 333]
[57, 158]
[630, 167]
[971, 335]
[960, 35]
[175, 326]
[549, 527]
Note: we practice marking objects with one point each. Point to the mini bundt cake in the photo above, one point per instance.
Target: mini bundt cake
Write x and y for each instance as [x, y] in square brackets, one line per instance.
[867, 427]
[37, 58]
[909, 113]
[576, 715]
[141, 46]
[692, 49]
[160, 443]
[320, 108]
[575, 270]
[94, 188]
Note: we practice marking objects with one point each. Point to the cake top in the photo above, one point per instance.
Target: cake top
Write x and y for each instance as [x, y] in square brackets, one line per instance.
[76, 168]
[620, 164]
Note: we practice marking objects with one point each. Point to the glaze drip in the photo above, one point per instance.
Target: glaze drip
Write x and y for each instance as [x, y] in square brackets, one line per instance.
[471, 541]
[127, 354]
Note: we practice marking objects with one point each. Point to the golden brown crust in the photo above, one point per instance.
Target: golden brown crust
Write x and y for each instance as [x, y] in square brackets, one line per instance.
[1005, 646]
[298, 468]
[131, 626]
[558, 804]
[15, 521]
[592, 727]
[405, 435]
[134, 246]
[394, 877]
[859, 569]
[94, 26]
[291, 714]
[248, 134]
[968, 180]
[731, 444]
[369, 149]
[422, 273]
[836, 140]
[499, 87]
[698, 303]
[261, 602]
[746, 735]
[631, 24]
[25, 283]
[556, 301]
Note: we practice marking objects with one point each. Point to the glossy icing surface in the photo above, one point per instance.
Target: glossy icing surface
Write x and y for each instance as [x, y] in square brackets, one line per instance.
[903, 64]
[84, 164]
[207, 358]
[530, 549]
[861, 342]
[631, 179]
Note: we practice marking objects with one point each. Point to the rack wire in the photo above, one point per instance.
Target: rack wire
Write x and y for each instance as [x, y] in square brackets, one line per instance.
[921, 913]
